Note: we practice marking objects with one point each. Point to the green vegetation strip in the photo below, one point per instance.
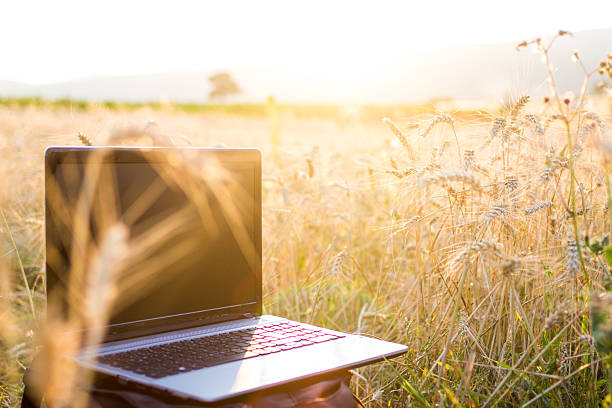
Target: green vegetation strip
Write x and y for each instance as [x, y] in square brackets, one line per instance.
[331, 111]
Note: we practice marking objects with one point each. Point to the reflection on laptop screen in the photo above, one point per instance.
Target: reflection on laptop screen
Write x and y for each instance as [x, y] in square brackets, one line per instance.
[192, 232]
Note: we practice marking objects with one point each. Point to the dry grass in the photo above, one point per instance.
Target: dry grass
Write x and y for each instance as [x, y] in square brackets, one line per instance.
[457, 238]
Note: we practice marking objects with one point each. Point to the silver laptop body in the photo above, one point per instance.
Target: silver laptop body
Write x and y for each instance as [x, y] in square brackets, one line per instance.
[211, 293]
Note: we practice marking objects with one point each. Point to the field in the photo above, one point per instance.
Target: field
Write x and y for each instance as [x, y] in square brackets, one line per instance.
[479, 239]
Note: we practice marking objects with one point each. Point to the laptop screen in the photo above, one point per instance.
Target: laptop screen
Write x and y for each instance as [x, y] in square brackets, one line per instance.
[191, 222]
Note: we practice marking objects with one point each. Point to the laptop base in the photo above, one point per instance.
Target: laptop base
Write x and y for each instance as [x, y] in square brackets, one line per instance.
[237, 378]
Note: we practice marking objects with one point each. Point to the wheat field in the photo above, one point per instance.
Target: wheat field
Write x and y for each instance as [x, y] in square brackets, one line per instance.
[479, 239]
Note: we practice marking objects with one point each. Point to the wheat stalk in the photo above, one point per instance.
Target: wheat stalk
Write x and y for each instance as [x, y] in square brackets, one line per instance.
[537, 207]
[436, 120]
[84, 139]
[457, 175]
[400, 136]
[338, 262]
[468, 159]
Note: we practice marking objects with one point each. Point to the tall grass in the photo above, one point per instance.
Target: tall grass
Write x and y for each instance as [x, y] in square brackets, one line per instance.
[477, 240]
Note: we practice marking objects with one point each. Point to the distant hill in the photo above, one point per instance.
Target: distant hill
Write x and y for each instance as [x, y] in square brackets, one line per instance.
[175, 87]
[491, 71]
[467, 72]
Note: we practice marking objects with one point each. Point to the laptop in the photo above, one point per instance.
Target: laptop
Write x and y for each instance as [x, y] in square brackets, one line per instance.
[186, 316]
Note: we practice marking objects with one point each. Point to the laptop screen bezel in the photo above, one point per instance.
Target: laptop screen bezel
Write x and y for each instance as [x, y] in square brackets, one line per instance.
[56, 155]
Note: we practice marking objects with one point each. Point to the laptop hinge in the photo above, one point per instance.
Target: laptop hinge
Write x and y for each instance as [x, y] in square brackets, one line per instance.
[134, 332]
[220, 319]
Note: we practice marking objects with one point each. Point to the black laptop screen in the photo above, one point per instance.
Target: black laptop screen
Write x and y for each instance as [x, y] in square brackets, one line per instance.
[192, 247]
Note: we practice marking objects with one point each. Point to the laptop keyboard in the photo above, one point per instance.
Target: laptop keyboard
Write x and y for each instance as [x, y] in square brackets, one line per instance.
[182, 356]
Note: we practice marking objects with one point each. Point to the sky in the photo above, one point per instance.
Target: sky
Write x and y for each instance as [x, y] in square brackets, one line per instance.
[50, 41]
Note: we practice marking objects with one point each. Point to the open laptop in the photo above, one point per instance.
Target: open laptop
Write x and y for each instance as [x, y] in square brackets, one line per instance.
[187, 315]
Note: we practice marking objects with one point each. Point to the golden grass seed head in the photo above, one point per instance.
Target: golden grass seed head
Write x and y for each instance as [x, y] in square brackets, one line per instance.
[468, 159]
[559, 162]
[484, 248]
[535, 122]
[520, 45]
[579, 212]
[495, 212]
[558, 316]
[554, 163]
[518, 106]
[573, 262]
[439, 118]
[552, 118]
[457, 176]
[393, 163]
[311, 170]
[498, 126]
[400, 136]
[537, 207]
[338, 263]
[585, 130]
[509, 266]
[597, 121]
[564, 363]
[511, 183]
[413, 220]
[84, 139]
[431, 167]
[403, 172]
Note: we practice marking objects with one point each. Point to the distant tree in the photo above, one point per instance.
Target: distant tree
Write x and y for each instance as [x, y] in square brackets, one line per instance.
[223, 86]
